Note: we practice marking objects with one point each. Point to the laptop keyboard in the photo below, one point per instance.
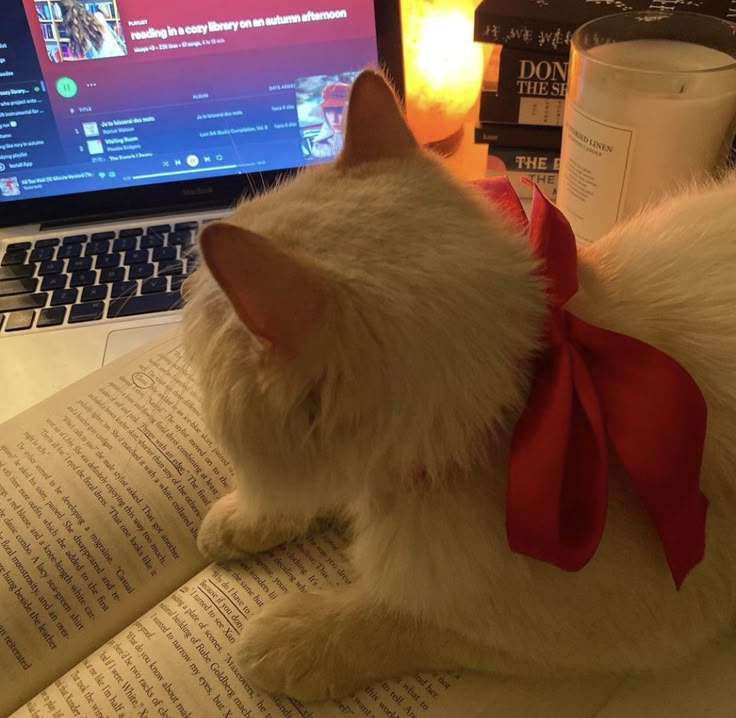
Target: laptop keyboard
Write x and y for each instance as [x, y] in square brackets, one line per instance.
[80, 278]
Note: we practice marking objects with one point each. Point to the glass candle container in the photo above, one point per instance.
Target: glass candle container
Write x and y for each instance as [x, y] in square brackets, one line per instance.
[650, 106]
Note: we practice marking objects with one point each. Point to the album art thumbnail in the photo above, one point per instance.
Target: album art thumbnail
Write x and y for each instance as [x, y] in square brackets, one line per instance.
[321, 104]
[75, 30]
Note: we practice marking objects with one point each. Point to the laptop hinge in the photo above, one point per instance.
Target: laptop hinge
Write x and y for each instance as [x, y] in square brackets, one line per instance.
[118, 216]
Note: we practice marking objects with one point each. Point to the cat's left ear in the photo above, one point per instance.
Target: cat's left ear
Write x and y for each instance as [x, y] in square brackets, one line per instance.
[375, 127]
[277, 297]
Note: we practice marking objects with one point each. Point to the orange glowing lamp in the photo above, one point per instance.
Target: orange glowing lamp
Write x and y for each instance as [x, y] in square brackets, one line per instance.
[443, 68]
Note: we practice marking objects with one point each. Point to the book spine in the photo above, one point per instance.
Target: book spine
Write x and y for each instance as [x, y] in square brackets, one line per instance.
[523, 159]
[523, 33]
[543, 111]
[546, 181]
[531, 73]
[530, 33]
[725, 9]
[508, 135]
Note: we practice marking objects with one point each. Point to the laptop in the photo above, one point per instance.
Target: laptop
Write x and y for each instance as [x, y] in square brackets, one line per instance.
[125, 125]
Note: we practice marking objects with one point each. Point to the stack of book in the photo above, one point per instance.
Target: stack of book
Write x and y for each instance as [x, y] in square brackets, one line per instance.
[521, 112]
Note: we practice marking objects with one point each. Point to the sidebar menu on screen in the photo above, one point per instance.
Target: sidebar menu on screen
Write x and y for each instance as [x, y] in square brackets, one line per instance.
[28, 136]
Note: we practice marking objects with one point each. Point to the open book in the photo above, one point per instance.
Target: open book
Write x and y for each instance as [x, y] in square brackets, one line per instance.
[106, 607]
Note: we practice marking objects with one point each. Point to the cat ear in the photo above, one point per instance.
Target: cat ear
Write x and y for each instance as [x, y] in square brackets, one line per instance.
[279, 299]
[375, 127]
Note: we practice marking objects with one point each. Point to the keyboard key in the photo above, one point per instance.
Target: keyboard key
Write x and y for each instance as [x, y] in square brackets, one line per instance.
[130, 232]
[42, 254]
[103, 235]
[186, 225]
[166, 268]
[79, 264]
[105, 261]
[177, 280]
[19, 320]
[116, 274]
[69, 250]
[47, 242]
[53, 281]
[87, 312]
[176, 238]
[144, 304]
[51, 317]
[13, 258]
[152, 240]
[19, 246]
[82, 279]
[136, 256]
[64, 296]
[56, 266]
[153, 285]
[123, 288]
[124, 244]
[18, 271]
[164, 253]
[18, 286]
[95, 293]
[140, 271]
[23, 301]
[99, 246]
[74, 239]
[158, 228]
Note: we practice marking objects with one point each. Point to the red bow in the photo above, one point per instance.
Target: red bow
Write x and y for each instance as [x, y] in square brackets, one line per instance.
[594, 388]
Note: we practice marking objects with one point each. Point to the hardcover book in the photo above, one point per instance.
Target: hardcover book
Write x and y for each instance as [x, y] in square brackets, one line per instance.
[548, 25]
[519, 163]
[495, 107]
[546, 181]
[525, 159]
[531, 73]
[499, 134]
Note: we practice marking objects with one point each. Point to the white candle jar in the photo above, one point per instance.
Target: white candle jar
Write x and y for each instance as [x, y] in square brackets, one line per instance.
[650, 106]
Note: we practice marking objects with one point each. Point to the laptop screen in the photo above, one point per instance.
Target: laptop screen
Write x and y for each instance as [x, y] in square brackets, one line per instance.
[124, 93]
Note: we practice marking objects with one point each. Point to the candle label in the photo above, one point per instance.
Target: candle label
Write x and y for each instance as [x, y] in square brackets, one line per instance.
[594, 172]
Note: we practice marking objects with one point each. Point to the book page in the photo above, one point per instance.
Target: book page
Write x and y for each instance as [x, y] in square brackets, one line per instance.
[178, 659]
[102, 489]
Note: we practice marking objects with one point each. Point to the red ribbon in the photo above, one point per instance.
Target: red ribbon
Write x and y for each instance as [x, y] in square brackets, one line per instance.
[594, 389]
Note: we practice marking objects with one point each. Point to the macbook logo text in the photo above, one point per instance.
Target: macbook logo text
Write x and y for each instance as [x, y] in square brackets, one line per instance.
[197, 191]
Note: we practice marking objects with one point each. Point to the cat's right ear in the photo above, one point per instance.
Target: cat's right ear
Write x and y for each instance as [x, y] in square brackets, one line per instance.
[277, 297]
[375, 127]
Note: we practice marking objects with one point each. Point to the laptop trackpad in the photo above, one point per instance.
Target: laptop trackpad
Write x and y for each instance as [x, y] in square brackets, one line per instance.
[122, 341]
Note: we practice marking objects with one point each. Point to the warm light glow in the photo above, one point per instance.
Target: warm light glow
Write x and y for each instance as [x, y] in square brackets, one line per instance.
[443, 66]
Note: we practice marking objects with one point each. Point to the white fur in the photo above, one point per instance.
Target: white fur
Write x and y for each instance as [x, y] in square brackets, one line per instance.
[423, 358]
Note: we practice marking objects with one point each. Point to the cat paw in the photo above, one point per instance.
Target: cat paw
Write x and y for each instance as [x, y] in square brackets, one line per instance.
[227, 533]
[292, 647]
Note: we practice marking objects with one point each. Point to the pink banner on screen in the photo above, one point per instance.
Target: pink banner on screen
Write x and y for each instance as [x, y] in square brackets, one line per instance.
[146, 31]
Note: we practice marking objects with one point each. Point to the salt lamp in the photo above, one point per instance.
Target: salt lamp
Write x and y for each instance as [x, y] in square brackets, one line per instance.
[443, 69]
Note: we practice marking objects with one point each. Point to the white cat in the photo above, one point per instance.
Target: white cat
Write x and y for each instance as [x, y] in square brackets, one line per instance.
[374, 316]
